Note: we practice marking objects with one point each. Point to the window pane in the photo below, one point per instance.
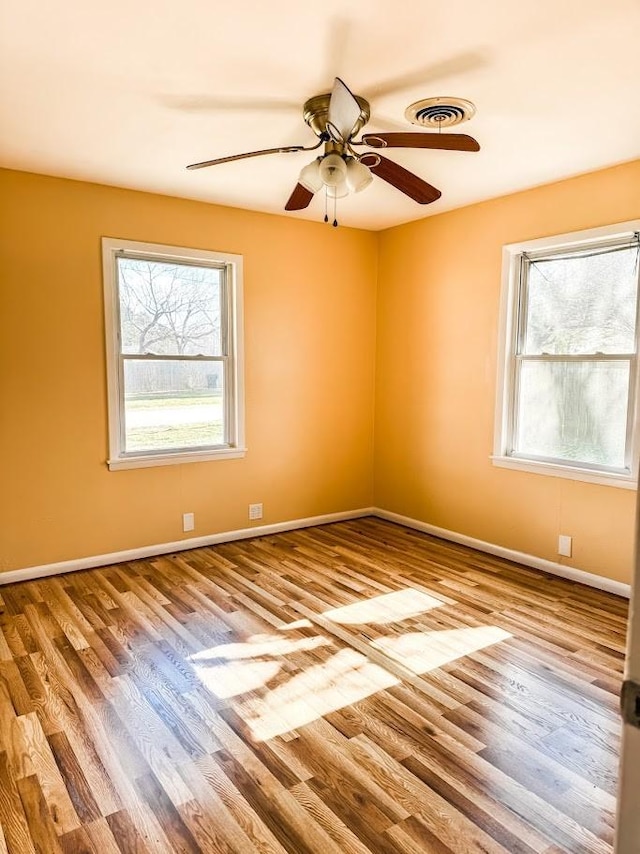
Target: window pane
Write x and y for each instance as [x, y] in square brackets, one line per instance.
[169, 309]
[171, 405]
[573, 411]
[582, 305]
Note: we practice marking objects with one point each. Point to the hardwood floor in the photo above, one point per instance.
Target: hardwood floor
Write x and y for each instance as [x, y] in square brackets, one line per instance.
[352, 688]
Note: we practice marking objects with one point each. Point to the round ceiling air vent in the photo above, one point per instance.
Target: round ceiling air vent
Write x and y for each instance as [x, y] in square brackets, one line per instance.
[440, 112]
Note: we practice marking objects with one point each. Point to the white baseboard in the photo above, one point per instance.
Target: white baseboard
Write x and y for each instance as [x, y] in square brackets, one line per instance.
[550, 566]
[553, 568]
[31, 572]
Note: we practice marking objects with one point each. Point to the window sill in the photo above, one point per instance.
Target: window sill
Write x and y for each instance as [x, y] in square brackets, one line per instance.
[623, 481]
[148, 460]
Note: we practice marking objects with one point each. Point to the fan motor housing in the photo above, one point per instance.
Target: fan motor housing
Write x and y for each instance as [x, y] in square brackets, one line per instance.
[316, 112]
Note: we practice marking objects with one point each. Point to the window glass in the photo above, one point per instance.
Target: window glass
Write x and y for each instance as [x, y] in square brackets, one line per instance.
[168, 308]
[582, 304]
[573, 411]
[170, 405]
[174, 325]
[567, 387]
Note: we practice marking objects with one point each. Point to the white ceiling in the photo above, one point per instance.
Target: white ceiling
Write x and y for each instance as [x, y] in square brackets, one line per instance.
[130, 91]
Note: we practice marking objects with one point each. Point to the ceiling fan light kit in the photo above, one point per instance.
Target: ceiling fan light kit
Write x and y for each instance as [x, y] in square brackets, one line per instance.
[358, 175]
[336, 119]
[310, 177]
[333, 169]
[338, 192]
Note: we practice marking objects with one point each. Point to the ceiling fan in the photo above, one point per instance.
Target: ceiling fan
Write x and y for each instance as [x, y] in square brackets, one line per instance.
[336, 119]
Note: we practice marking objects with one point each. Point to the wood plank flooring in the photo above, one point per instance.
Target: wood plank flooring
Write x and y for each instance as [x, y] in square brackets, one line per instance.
[352, 688]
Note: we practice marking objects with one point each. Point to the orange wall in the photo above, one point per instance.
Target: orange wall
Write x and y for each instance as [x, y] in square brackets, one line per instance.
[311, 362]
[309, 352]
[438, 297]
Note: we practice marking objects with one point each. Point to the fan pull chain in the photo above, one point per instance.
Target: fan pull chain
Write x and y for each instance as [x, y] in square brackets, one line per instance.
[335, 203]
[326, 217]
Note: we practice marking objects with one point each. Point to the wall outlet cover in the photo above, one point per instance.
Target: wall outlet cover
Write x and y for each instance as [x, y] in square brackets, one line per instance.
[188, 521]
[255, 511]
[564, 545]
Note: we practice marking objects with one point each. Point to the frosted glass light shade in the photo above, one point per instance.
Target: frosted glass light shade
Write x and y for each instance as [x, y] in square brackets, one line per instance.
[339, 191]
[333, 170]
[310, 176]
[358, 175]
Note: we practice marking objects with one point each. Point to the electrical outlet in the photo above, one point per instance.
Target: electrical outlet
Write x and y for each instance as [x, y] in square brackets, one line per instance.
[188, 521]
[255, 511]
[564, 545]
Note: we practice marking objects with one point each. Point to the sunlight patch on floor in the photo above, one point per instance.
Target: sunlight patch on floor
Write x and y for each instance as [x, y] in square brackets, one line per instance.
[425, 651]
[386, 608]
[230, 680]
[343, 679]
[231, 669]
[275, 694]
[257, 647]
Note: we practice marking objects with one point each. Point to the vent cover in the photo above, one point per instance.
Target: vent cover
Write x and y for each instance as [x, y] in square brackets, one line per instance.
[440, 112]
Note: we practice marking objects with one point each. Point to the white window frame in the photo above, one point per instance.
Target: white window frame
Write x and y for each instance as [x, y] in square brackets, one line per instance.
[232, 357]
[512, 286]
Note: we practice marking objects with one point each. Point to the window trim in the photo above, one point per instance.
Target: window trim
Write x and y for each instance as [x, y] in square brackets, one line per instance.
[508, 332]
[234, 447]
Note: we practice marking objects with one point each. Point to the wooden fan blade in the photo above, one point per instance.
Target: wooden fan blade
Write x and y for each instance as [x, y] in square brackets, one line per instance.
[299, 199]
[344, 110]
[282, 149]
[447, 141]
[401, 178]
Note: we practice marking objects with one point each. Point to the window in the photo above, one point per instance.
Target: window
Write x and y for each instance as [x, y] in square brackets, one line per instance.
[173, 332]
[568, 368]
